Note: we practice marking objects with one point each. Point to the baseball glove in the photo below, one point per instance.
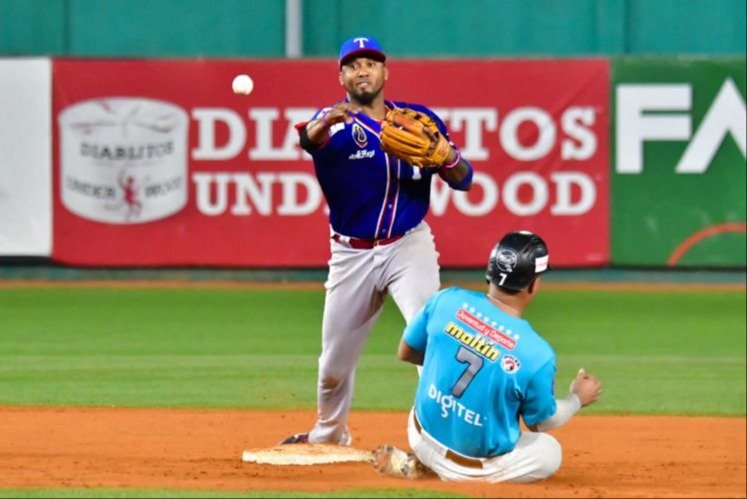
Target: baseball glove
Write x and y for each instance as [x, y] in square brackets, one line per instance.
[414, 137]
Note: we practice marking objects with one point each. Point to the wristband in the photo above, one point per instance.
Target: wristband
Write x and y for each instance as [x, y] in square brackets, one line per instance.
[304, 140]
[466, 182]
[306, 143]
[452, 165]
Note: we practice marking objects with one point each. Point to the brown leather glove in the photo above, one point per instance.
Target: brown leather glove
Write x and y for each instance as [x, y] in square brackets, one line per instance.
[414, 137]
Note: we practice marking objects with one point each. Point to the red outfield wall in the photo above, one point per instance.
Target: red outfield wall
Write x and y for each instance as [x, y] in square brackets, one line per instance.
[159, 163]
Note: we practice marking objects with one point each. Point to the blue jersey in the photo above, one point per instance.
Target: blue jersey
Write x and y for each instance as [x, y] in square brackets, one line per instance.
[370, 194]
[482, 370]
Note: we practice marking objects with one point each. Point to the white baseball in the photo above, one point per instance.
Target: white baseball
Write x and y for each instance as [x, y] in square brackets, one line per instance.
[242, 85]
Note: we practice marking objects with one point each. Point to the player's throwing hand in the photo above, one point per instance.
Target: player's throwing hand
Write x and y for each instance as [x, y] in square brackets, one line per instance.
[343, 111]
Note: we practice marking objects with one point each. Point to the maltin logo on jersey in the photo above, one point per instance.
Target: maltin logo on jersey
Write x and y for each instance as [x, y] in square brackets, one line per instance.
[510, 364]
[359, 135]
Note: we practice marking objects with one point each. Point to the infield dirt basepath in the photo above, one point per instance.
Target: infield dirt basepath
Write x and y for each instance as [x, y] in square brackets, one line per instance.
[604, 456]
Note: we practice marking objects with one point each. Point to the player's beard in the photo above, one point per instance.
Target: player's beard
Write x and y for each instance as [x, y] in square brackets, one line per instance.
[365, 98]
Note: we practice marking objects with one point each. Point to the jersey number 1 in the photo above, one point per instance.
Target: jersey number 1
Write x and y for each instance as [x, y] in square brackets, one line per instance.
[474, 364]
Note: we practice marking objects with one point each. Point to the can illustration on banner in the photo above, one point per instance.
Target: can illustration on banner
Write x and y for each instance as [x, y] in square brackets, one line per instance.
[123, 160]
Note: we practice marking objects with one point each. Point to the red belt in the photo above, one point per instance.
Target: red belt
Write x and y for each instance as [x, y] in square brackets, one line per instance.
[365, 243]
[451, 455]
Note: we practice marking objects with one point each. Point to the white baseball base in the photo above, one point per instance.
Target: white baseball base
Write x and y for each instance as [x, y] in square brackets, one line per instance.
[306, 455]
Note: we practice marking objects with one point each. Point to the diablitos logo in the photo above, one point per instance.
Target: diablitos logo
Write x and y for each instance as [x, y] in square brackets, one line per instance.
[123, 160]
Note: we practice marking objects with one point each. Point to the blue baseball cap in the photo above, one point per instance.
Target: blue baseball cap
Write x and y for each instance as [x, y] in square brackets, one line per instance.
[361, 46]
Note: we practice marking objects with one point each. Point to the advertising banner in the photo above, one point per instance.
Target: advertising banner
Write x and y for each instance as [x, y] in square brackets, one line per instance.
[160, 163]
[25, 157]
[678, 188]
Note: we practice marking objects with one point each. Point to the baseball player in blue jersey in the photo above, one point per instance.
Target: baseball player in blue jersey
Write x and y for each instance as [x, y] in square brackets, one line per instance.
[379, 241]
[484, 367]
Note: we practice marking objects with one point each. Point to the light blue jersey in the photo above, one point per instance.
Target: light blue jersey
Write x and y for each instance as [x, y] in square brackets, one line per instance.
[482, 370]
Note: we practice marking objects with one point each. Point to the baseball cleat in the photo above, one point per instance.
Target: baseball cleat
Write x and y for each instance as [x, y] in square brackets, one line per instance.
[298, 438]
[346, 440]
[389, 460]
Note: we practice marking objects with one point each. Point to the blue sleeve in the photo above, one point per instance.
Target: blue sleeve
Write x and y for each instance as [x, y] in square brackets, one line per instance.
[539, 399]
[416, 332]
[324, 149]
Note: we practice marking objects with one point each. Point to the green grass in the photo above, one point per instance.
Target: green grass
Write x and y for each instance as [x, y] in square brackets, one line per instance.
[152, 493]
[669, 353]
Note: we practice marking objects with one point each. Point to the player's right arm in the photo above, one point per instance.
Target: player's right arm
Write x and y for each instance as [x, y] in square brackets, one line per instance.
[317, 130]
[415, 338]
[409, 354]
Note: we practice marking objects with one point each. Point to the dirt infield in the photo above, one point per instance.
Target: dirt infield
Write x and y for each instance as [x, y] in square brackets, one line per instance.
[604, 456]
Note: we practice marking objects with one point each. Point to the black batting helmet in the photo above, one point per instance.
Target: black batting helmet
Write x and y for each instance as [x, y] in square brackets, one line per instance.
[516, 260]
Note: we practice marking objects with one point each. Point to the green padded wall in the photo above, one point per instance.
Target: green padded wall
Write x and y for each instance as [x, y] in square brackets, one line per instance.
[407, 28]
[31, 27]
[685, 26]
[482, 28]
[477, 28]
[143, 28]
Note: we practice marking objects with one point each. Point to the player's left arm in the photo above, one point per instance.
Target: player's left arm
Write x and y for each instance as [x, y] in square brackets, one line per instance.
[456, 171]
[585, 390]
[458, 177]
[538, 400]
